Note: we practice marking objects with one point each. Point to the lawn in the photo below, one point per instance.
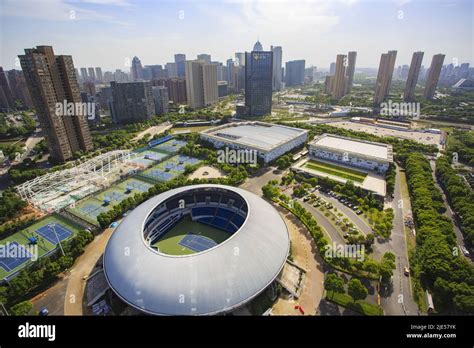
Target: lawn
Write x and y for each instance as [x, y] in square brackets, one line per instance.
[332, 169]
[359, 306]
[44, 246]
[169, 243]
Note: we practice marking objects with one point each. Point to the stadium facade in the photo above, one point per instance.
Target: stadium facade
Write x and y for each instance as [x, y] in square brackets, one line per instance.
[362, 154]
[270, 141]
[214, 280]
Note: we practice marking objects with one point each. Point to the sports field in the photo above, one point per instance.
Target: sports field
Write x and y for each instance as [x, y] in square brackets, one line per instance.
[169, 169]
[333, 169]
[189, 237]
[47, 230]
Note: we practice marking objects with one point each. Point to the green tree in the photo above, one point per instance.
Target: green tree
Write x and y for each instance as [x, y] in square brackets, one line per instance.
[22, 308]
[334, 284]
[357, 290]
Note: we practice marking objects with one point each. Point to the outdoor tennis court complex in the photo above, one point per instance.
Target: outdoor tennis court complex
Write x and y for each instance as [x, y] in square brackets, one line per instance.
[37, 240]
[160, 163]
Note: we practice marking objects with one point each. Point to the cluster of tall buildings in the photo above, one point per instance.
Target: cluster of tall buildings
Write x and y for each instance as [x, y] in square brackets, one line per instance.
[14, 93]
[341, 75]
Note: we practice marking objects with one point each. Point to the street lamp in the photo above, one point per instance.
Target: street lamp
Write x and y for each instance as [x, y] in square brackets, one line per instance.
[52, 226]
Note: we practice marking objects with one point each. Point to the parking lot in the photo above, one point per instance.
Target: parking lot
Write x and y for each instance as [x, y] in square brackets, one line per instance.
[420, 137]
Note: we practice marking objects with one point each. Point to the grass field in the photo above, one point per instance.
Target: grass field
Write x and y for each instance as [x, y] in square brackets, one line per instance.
[333, 169]
[169, 243]
[44, 246]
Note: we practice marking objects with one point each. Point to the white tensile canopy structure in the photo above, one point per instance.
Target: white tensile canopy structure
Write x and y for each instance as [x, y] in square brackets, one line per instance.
[55, 190]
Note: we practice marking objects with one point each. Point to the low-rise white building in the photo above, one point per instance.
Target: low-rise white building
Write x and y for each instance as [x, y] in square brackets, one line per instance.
[270, 141]
[363, 154]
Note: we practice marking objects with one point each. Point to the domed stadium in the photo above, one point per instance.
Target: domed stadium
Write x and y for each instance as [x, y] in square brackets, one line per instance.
[196, 250]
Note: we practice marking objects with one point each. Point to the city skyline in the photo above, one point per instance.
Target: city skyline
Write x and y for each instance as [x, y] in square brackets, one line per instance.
[116, 40]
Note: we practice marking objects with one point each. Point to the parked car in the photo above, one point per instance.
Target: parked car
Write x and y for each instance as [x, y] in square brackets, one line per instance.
[406, 271]
[358, 212]
[464, 251]
[355, 207]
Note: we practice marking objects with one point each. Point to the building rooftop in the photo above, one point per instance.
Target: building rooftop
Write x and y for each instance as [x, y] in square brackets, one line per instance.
[365, 148]
[265, 136]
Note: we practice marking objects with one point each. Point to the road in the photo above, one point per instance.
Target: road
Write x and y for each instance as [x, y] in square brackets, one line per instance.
[324, 223]
[390, 299]
[83, 266]
[153, 131]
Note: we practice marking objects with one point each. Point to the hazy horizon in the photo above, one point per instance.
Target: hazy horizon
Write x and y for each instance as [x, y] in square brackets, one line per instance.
[108, 33]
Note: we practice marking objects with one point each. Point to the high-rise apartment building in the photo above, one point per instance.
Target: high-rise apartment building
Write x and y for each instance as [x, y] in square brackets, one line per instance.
[350, 69]
[84, 74]
[258, 82]
[51, 81]
[180, 60]
[172, 69]
[413, 74]
[340, 80]
[277, 63]
[132, 101]
[176, 90]
[91, 74]
[433, 76]
[6, 96]
[332, 68]
[294, 72]
[201, 84]
[384, 76]
[161, 99]
[98, 75]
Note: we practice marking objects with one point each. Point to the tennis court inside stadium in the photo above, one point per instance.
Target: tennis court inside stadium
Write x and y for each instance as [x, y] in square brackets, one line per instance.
[189, 237]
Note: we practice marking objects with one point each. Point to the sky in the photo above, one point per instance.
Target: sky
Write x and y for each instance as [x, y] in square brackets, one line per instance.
[108, 33]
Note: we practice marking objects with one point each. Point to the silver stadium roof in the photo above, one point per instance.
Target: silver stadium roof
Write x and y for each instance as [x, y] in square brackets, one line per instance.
[214, 281]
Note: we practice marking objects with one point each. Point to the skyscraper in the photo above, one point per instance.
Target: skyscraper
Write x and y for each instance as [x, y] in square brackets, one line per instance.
[176, 90]
[17, 83]
[294, 72]
[257, 47]
[258, 82]
[180, 60]
[6, 95]
[384, 76]
[433, 76]
[98, 74]
[413, 74]
[84, 74]
[204, 57]
[172, 69]
[51, 80]
[91, 74]
[137, 69]
[132, 101]
[339, 83]
[161, 99]
[332, 68]
[201, 83]
[230, 72]
[351, 62]
[240, 58]
[277, 62]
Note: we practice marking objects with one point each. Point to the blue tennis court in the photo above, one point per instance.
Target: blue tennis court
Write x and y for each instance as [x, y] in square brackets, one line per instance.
[136, 185]
[114, 196]
[19, 255]
[197, 243]
[54, 233]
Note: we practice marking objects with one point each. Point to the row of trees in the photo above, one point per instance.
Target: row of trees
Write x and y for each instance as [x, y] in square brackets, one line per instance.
[367, 268]
[437, 261]
[460, 197]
